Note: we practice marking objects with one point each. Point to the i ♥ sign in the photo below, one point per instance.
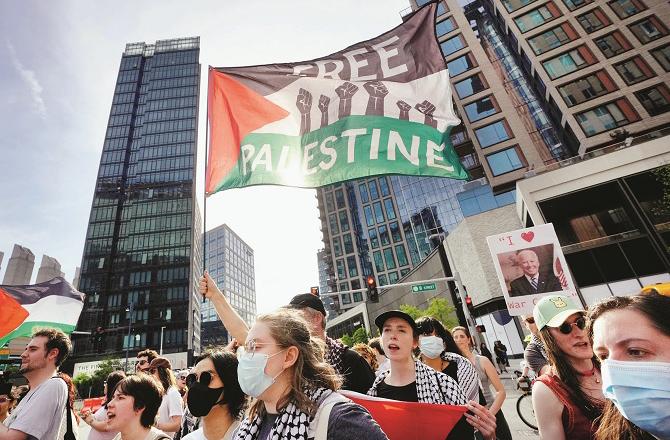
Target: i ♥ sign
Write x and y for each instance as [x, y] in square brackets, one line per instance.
[528, 236]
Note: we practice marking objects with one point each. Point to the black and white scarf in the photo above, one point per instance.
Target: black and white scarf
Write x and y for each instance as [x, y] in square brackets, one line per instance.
[468, 378]
[291, 423]
[431, 386]
[334, 351]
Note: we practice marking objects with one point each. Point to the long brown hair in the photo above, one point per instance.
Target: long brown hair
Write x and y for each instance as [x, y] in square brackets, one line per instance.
[655, 307]
[590, 407]
[288, 329]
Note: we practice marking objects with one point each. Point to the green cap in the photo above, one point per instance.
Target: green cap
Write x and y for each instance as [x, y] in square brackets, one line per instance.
[553, 310]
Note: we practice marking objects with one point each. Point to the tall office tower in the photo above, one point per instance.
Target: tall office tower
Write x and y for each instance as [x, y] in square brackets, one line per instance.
[230, 262]
[601, 67]
[144, 229]
[49, 268]
[20, 266]
[331, 303]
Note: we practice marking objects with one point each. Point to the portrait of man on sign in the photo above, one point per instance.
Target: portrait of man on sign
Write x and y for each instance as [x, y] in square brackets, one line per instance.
[534, 279]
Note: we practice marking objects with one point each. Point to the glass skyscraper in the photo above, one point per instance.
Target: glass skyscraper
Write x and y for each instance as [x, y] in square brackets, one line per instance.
[142, 250]
[230, 262]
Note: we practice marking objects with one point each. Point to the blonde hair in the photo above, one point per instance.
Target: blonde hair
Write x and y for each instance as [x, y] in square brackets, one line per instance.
[289, 329]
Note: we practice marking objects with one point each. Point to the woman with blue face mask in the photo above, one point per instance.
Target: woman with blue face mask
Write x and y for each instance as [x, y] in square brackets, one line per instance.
[631, 337]
[282, 368]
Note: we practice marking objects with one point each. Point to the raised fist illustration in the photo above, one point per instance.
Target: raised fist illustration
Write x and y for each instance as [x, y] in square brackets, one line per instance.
[324, 102]
[427, 108]
[404, 110]
[345, 93]
[378, 92]
[304, 104]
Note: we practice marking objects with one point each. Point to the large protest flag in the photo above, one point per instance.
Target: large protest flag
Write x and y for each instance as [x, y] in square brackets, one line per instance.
[382, 106]
[53, 303]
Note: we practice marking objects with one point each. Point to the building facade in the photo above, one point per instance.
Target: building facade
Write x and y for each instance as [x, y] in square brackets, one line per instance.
[20, 266]
[141, 248]
[331, 303]
[230, 262]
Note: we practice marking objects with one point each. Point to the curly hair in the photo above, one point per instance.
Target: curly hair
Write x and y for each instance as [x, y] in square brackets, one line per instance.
[368, 354]
[289, 329]
[655, 308]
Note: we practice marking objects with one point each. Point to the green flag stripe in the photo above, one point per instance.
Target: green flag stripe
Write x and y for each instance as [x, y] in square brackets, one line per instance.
[28, 328]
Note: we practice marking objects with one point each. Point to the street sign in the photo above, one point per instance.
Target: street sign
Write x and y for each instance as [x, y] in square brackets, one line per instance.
[423, 287]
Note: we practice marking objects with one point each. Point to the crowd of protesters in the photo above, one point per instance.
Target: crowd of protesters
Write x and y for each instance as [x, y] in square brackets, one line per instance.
[601, 374]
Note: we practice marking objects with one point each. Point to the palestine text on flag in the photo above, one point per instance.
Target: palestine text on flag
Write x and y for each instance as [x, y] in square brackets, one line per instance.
[54, 303]
[382, 106]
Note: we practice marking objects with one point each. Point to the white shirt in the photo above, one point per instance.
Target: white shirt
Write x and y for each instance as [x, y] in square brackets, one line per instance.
[170, 406]
[199, 434]
[41, 413]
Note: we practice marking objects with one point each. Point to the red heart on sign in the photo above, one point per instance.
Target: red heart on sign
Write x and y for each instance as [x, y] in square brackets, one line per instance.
[528, 236]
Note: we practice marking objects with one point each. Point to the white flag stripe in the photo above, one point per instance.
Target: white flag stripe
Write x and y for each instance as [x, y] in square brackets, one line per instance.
[54, 308]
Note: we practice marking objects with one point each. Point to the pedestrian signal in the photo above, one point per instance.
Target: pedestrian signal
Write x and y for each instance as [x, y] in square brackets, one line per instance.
[471, 307]
[373, 294]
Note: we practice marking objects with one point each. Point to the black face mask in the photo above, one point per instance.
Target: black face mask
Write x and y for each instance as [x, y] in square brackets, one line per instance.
[201, 399]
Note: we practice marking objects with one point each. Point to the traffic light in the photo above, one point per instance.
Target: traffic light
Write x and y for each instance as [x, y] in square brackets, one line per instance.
[373, 294]
[314, 291]
[480, 329]
[471, 307]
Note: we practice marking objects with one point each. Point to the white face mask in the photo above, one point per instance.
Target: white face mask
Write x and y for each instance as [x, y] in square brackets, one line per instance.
[251, 373]
[431, 346]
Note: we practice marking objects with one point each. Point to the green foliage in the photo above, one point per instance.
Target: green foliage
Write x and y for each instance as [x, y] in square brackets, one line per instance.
[438, 308]
[661, 208]
[360, 336]
[83, 383]
[347, 340]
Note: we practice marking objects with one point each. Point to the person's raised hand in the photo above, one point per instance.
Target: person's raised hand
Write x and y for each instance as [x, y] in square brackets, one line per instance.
[208, 287]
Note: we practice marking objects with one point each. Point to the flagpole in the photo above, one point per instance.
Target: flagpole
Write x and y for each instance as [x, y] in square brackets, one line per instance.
[204, 202]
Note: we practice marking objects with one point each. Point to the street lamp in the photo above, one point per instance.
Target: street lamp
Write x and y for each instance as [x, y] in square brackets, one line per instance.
[161, 350]
[130, 323]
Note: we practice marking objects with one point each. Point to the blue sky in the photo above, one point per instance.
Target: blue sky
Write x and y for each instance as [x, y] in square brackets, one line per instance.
[57, 77]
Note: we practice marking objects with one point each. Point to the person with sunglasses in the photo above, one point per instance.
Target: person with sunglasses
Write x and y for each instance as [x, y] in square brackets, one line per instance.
[171, 410]
[295, 392]
[631, 337]
[144, 359]
[6, 400]
[568, 400]
[534, 354]
[214, 395]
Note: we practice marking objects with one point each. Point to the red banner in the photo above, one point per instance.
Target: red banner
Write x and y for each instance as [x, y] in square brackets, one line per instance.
[410, 420]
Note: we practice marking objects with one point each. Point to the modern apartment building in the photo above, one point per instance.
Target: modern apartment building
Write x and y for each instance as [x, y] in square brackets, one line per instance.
[141, 257]
[230, 262]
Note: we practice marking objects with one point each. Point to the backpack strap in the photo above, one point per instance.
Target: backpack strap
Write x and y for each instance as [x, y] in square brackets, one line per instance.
[69, 434]
[318, 428]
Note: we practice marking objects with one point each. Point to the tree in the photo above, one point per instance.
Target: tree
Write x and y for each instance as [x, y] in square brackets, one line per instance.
[100, 375]
[347, 340]
[83, 382]
[438, 308]
[360, 336]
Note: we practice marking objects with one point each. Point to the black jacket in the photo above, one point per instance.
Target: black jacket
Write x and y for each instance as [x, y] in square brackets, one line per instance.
[357, 374]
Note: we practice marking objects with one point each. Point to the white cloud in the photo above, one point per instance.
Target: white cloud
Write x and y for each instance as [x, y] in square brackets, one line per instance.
[28, 76]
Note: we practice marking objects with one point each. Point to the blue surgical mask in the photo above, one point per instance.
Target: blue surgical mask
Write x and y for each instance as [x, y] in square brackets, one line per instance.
[431, 346]
[641, 393]
[251, 373]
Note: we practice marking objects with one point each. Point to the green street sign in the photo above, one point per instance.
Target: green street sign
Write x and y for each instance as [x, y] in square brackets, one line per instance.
[423, 287]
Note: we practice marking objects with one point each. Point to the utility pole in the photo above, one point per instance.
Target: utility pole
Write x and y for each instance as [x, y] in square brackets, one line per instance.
[161, 349]
[130, 324]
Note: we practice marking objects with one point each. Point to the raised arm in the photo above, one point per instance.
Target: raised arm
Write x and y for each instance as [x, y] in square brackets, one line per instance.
[233, 322]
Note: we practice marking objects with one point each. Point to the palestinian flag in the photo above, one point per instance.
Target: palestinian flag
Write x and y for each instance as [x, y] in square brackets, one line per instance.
[382, 106]
[54, 303]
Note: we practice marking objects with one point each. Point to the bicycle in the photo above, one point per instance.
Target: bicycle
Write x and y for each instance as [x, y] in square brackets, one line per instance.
[524, 405]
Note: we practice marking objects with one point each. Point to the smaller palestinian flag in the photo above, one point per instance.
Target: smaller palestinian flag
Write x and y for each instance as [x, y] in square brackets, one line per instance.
[54, 303]
[381, 106]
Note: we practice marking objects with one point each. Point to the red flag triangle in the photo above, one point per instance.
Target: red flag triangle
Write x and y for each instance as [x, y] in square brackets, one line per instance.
[11, 314]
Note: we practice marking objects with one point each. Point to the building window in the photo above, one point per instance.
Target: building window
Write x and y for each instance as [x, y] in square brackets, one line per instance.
[612, 44]
[445, 26]
[662, 55]
[459, 137]
[656, 99]
[586, 88]
[470, 86]
[576, 4]
[593, 20]
[374, 192]
[395, 232]
[358, 296]
[341, 273]
[348, 244]
[337, 246]
[461, 64]
[536, 17]
[626, 8]
[481, 108]
[389, 258]
[379, 261]
[452, 45]
[339, 197]
[441, 8]
[384, 187]
[504, 161]
[353, 269]
[493, 134]
[330, 202]
[390, 212]
[344, 222]
[379, 214]
[363, 189]
[568, 62]
[384, 235]
[374, 241]
[607, 117]
[649, 29]
[634, 70]
[552, 38]
[402, 255]
[369, 218]
[513, 5]
[346, 298]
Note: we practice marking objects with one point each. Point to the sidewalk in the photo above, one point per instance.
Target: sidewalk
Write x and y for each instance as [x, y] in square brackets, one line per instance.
[519, 429]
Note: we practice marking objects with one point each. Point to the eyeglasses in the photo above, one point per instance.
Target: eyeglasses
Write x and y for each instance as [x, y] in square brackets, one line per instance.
[142, 362]
[566, 328]
[205, 378]
[251, 345]
[530, 320]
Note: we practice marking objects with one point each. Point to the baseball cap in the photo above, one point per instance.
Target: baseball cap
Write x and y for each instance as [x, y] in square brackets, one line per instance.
[307, 300]
[553, 310]
[381, 319]
[160, 362]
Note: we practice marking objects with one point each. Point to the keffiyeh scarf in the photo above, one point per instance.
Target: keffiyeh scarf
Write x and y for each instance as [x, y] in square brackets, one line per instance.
[468, 378]
[291, 424]
[431, 386]
[334, 352]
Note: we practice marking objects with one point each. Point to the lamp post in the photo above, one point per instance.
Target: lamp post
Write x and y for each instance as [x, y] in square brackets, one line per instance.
[130, 323]
[161, 349]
